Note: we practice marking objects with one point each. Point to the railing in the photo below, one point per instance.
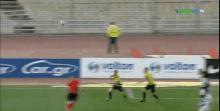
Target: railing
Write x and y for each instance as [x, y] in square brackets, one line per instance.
[149, 21]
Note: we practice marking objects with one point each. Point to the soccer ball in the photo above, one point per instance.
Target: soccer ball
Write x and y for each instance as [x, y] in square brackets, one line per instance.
[62, 22]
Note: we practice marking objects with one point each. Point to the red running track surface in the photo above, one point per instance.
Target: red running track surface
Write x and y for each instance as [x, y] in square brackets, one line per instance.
[78, 47]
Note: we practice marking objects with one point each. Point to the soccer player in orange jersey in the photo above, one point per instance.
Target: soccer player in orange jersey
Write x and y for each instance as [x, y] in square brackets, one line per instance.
[73, 92]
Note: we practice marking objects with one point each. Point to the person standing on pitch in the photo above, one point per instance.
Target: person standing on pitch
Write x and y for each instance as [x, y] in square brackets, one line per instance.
[150, 86]
[117, 85]
[113, 32]
[73, 92]
[205, 88]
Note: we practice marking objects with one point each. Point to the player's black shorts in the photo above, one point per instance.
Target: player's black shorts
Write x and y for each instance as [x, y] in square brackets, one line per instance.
[206, 87]
[118, 87]
[113, 40]
[72, 96]
[152, 87]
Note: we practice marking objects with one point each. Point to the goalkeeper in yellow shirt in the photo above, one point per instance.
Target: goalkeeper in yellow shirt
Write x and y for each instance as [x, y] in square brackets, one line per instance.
[150, 85]
[113, 32]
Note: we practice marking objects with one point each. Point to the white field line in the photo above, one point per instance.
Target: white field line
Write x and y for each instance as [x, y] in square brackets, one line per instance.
[174, 98]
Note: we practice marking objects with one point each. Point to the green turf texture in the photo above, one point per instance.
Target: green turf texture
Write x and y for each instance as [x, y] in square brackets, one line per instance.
[94, 99]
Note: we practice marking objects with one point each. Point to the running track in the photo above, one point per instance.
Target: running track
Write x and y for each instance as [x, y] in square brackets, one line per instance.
[78, 47]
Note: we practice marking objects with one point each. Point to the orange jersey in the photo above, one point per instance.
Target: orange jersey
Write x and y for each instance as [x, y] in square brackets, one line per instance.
[72, 84]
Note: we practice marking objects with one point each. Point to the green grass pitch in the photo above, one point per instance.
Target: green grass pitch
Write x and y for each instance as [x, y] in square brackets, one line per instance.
[42, 98]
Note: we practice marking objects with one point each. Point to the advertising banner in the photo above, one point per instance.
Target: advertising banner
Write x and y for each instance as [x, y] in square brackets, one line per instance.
[38, 68]
[174, 67]
[212, 68]
[104, 67]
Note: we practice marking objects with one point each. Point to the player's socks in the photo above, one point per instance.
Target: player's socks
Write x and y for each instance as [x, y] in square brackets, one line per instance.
[155, 96]
[124, 96]
[125, 99]
[68, 106]
[144, 96]
[110, 95]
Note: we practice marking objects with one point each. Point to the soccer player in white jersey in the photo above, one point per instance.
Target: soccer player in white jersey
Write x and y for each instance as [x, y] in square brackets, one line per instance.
[205, 87]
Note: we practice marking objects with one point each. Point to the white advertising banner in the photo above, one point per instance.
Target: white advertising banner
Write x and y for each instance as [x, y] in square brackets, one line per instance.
[104, 67]
[174, 67]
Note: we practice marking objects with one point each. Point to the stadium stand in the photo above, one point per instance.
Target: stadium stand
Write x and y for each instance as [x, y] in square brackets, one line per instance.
[12, 12]
[6, 25]
[93, 16]
[45, 10]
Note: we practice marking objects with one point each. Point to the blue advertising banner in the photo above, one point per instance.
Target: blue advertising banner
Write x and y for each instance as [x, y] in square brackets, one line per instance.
[38, 68]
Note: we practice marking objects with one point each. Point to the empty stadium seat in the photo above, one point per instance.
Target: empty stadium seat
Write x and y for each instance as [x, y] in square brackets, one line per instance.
[46, 10]
[128, 14]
